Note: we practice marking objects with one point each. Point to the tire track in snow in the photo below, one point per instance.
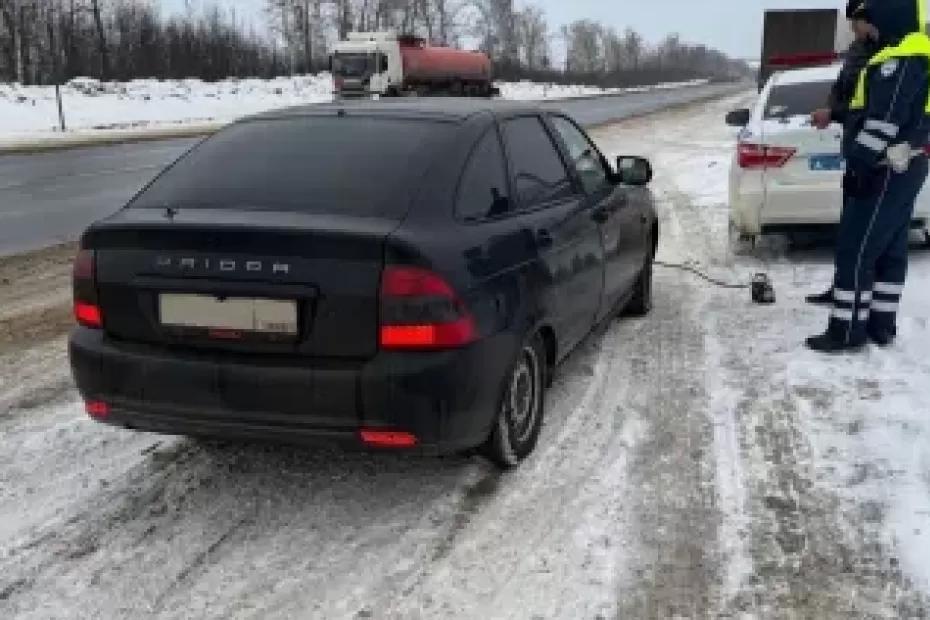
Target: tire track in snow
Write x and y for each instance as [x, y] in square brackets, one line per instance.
[490, 552]
[677, 562]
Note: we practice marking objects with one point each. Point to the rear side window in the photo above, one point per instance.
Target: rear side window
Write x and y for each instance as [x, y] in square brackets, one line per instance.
[483, 190]
[538, 172]
[358, 166]
[797, 99]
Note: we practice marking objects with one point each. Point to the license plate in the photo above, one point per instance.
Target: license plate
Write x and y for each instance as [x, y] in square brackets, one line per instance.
[826, 163]
[246, 314]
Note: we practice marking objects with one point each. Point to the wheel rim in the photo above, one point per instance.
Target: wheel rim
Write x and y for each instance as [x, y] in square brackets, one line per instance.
[522, 401]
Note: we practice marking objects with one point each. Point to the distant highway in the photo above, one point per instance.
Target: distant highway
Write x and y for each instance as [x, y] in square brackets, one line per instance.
[51, 197]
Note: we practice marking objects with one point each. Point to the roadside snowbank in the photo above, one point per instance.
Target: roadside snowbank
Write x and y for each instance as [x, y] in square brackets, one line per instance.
[532, 91]
[28, 112]
[31, 111]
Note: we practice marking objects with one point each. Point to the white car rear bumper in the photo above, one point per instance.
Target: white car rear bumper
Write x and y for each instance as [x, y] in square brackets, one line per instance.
[755, 207]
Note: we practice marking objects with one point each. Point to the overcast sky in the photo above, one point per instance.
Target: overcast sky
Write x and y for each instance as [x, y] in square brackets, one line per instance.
[733, 26]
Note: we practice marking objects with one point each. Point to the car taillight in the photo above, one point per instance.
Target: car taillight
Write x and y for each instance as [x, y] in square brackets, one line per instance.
[388, 439]
[88, 315]
[97, 409]
[421, 311]
[762, 156]
[927, 149]
[86, 307]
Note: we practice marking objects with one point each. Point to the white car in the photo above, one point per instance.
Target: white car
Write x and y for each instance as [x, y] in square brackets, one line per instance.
[786, 174]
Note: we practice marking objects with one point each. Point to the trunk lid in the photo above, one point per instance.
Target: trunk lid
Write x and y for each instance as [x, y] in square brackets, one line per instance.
[326, 267]
[816, 162]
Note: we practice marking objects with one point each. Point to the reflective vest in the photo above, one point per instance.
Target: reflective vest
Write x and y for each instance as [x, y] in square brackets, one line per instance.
[914, 44]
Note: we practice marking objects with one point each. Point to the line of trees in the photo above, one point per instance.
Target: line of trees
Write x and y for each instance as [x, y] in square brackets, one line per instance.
[44, 41]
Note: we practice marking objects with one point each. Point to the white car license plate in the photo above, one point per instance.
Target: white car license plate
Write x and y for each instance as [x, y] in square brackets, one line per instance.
[268, 316]
[826, 163]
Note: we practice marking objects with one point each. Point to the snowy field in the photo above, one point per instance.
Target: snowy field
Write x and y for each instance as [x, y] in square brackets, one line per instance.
[28, 112]
[697, 463]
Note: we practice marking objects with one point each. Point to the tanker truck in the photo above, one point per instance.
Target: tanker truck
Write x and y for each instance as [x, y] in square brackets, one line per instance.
[388, 64]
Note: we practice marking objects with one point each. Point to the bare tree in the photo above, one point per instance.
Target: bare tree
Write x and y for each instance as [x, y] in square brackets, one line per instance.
[533, 36]
[583, 44]
[9, 11]
[614, 52]
[42, 41]
[633, 47]
[505, 19]
[101, 40]
[447, 13]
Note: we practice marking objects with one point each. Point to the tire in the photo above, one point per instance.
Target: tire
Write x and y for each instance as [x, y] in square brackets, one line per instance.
[641, 303]
[742, 244]
[522, 405]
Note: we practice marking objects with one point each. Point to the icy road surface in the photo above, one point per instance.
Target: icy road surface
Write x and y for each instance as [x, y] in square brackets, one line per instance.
[695, 464]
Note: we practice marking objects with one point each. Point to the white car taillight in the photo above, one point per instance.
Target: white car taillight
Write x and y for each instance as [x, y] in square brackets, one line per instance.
[755, 156]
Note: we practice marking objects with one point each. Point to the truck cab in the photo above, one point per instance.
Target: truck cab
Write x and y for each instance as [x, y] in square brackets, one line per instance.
[367, 63]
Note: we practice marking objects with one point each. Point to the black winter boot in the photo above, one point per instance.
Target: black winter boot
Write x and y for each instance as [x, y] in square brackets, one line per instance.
[883, 337]
[830, 342]
[823, 299]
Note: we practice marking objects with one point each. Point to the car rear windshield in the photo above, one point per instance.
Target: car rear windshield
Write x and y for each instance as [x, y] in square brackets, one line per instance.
[797, 99]
[359, 166]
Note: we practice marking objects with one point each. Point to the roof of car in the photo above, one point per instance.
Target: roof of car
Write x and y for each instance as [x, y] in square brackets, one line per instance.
[811, 74]
[438, 108]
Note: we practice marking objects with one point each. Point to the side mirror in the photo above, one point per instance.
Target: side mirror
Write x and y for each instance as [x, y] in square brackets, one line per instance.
[330, 64]
[384, 64]
[634, 170]
[739, 118]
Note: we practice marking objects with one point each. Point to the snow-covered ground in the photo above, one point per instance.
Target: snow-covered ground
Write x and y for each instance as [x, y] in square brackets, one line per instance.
[532, 91]
[30, 112]
[697, 463]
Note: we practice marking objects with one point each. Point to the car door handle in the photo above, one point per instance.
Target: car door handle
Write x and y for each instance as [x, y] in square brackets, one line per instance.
[544, 238]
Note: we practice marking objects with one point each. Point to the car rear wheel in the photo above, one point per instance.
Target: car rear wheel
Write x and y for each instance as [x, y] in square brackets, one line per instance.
[742, 244]
[520, 413]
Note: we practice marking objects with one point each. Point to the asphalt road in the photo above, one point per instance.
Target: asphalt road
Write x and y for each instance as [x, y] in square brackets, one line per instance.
[51, 197]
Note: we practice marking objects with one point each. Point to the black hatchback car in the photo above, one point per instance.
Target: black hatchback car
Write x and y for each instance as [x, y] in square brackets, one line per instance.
[400, 275]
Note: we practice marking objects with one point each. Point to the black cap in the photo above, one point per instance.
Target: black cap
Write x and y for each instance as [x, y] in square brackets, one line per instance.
[856, 9]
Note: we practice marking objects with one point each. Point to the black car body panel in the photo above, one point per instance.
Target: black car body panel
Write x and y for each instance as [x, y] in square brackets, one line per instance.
[448, 398]
[553, 256]
[330, 265]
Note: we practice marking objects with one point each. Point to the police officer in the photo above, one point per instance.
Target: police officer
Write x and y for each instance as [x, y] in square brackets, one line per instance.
[837, 110]
[886, 169]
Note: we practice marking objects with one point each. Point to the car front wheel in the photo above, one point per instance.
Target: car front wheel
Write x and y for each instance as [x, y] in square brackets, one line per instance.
[641, 303]
[520, 413]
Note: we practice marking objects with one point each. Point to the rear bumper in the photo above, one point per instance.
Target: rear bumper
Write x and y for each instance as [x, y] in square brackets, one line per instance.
[916, 224]
[447, 400]
[756, 211]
